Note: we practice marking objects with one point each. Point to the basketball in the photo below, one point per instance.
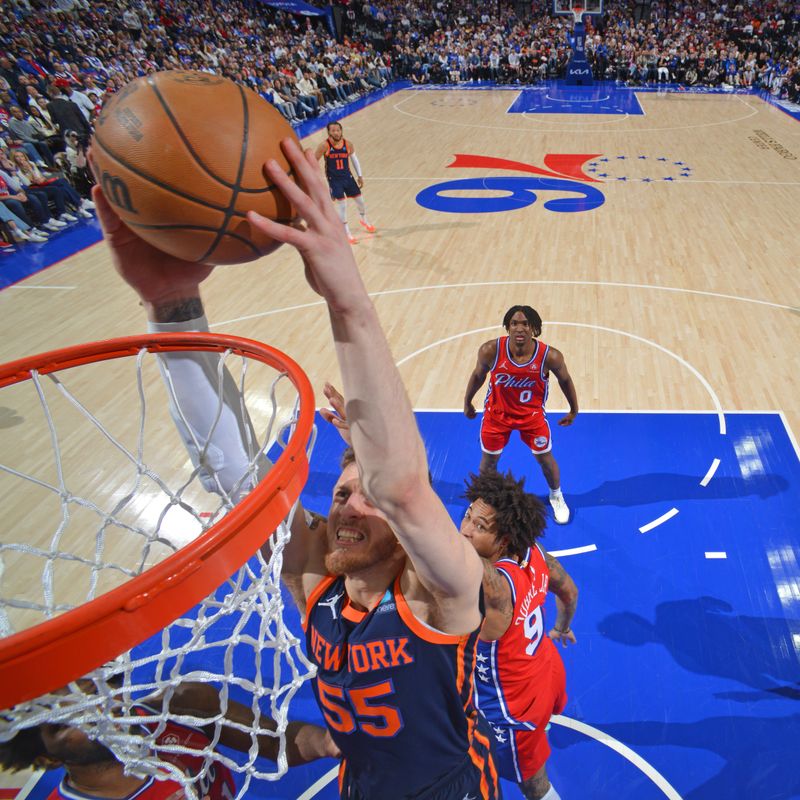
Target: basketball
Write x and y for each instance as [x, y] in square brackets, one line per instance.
[180, 157]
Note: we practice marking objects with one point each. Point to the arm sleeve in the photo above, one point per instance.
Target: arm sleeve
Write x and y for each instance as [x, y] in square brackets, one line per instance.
[205, 405]
[356, 165]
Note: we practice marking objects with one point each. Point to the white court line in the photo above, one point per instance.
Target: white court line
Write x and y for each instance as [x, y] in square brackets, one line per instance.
[319, 784]
[481, 284]
[683, 362]
[30, 784]
[614, 744]
[533, 117]
[710, 474]
[790, 434]
[396, 106]
[519, 94]
[566, 722]
[716, 554]
[656, 522]
[573, 551]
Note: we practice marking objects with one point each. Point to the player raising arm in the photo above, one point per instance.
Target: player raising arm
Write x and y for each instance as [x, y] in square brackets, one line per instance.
[394, 603]
[392, 592]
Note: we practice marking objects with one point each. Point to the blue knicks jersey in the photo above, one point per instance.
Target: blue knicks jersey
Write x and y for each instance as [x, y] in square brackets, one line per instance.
[337, 160]
[397, 697]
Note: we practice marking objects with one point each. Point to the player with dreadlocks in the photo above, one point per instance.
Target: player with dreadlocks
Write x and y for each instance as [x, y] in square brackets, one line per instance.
[520, 679]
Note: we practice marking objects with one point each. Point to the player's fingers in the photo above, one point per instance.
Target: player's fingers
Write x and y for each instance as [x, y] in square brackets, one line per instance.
[109, 221]
[288, 234]
[335, 398]
[307, 174]
[328, 414]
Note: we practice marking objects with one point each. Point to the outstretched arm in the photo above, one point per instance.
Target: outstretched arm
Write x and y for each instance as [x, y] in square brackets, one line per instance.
[304, 741]
[555, 363]
[389, 450]
[566, 592]
[169, 290]
[486, 358]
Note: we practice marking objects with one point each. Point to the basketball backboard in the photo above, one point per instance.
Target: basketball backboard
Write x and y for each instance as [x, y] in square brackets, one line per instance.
[578, 8]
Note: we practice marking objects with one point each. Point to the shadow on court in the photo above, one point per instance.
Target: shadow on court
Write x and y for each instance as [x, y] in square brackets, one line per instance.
[656, 487]
[704, 636]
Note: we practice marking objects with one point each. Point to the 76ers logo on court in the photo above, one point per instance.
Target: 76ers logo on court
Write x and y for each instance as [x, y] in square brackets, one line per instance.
[564, 174]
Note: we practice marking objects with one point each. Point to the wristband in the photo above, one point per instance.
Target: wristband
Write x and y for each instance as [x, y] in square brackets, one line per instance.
[558, 630]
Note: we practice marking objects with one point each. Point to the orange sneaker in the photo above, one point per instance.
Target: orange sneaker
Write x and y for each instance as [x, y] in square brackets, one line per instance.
[367, 227]
[352, 240]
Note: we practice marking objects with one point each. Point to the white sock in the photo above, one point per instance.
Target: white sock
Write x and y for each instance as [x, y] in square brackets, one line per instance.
[554, 493]
[341, 210]
[362, 209]
[552, 794]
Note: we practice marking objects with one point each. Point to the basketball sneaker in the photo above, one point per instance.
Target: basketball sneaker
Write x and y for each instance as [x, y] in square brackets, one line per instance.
[560, 509]
[366, 226]
[352, 240]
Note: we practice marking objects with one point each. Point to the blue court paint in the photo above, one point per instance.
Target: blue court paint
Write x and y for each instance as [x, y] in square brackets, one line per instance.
[557, 98]
[507, 194]
[32, 258]
[690, 663]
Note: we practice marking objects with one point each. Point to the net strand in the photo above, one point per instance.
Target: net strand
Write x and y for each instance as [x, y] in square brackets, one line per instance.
[235, 640]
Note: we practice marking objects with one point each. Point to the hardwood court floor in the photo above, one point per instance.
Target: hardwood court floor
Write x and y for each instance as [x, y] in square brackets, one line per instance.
[679, 292]
[664, 284]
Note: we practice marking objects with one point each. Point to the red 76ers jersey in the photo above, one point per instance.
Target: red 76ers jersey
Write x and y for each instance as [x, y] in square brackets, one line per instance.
[516, 391]
[217, 784]
[514, 670]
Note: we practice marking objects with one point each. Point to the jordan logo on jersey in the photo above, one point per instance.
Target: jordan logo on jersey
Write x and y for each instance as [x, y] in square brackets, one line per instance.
[331, 602]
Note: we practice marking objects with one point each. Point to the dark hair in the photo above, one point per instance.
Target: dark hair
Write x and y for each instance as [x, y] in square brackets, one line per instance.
[334, 122]
[520, 516]
[22, 751]
[531, 314]
[348, 458]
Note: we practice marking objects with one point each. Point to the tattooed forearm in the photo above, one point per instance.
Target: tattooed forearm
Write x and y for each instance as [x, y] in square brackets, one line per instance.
[564, 588]
[496, 590]
[178, 310]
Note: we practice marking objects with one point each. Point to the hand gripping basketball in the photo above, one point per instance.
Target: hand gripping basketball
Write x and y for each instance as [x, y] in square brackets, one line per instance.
[179, 156]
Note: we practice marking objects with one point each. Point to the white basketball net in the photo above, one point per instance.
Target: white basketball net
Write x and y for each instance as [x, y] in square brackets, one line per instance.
[120, 498]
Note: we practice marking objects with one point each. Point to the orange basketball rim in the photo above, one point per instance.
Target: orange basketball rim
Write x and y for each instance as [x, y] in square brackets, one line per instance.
[54, 652]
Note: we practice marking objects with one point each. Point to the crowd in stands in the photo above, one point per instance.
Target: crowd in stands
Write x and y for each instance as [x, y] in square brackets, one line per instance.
[755, 44]
[59, 60]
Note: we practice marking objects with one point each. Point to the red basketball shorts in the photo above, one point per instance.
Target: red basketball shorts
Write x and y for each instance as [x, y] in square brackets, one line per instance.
[520, 752]
[534, 432]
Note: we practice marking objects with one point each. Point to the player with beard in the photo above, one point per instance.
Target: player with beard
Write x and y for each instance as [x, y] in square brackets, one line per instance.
[393, 593]
[92, 770]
